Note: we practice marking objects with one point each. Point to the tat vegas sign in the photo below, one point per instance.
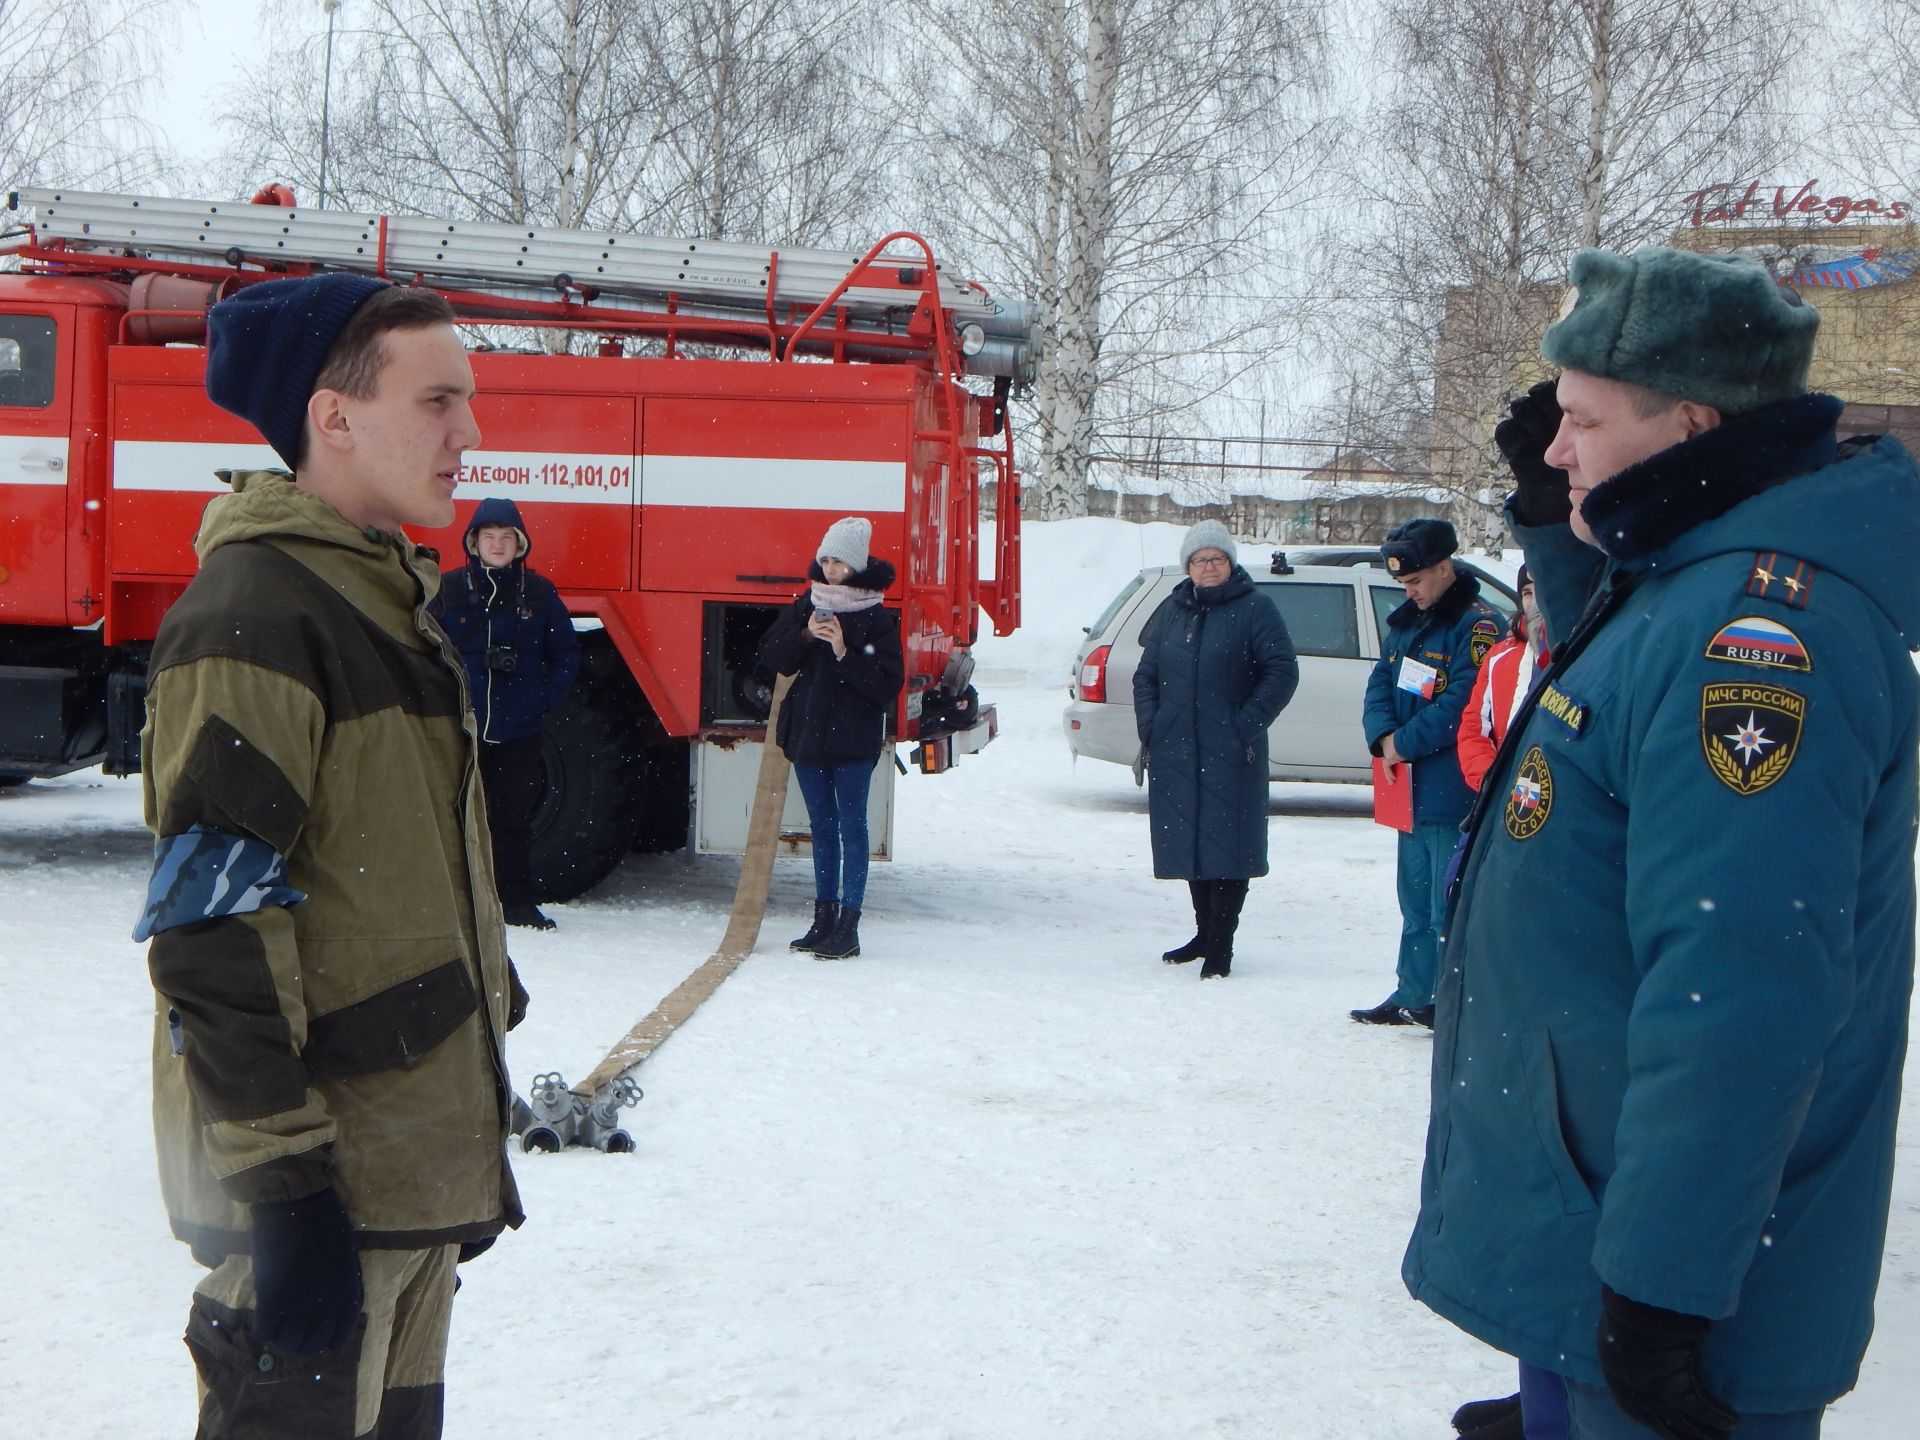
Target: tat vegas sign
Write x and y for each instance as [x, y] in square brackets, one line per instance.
[1716, 204]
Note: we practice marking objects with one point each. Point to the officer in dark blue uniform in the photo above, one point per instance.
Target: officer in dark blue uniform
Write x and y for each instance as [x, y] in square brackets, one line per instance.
[1674, 1003]
[1415, 695]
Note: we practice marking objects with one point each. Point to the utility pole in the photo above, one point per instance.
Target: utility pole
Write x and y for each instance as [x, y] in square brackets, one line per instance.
[326, 99]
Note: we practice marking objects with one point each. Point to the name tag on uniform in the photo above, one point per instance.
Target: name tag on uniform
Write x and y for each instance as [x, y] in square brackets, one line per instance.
[1418, 677]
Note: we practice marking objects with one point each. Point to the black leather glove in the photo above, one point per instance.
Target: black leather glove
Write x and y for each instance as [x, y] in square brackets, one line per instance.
[1651, 1358]
[474, 1249]
[306, 1270]
[517, 996]
[1534, 419]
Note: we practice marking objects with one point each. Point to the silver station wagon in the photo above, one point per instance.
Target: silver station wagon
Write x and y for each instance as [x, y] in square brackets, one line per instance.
[1335, 601]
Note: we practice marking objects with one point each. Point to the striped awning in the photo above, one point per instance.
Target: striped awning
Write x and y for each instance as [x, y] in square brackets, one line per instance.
[1857, 272]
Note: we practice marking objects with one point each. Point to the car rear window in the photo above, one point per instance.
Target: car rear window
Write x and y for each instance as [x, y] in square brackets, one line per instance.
[1320, 618]
[1127, 592]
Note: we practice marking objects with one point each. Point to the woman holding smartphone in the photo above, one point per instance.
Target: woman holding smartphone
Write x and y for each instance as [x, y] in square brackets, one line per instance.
[843, 648]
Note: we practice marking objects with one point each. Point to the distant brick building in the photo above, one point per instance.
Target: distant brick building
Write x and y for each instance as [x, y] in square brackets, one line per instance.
[1864, 278]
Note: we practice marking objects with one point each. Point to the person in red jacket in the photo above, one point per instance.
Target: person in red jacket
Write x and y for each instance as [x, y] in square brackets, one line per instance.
[1505, 677]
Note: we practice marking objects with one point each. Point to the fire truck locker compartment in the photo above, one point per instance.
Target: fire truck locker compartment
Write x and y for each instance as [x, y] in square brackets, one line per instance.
[36, 498]
[745, 486]
[725, 775]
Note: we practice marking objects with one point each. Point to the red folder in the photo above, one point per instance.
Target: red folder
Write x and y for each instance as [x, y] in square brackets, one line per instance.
[1393, 795]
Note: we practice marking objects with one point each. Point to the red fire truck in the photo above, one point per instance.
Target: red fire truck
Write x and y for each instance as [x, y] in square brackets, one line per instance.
[736, 401]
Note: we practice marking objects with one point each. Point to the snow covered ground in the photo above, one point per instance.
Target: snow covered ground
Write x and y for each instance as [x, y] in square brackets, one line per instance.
[1005, 1176]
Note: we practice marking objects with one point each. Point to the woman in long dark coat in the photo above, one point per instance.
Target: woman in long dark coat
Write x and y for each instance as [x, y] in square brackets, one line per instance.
[1216, 667]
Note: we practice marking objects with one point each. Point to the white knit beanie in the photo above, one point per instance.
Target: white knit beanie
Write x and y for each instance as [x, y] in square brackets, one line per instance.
[846, 541]
[1208, 535]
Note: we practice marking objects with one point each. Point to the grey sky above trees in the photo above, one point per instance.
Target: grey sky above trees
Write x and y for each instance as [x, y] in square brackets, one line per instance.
[1235, 215]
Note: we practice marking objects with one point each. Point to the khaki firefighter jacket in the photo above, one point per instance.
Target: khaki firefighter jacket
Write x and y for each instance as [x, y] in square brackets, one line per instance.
[302, 707]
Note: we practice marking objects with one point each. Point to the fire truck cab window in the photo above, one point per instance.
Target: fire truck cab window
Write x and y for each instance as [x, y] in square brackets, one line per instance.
[26, 361]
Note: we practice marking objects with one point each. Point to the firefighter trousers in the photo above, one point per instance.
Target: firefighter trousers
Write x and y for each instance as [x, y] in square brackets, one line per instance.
[385, 1383]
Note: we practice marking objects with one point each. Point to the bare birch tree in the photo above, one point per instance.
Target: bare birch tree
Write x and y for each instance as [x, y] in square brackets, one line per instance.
[71, 81]
[1875, 116]
[1516, 132]
[720, 118]
[1126, 163]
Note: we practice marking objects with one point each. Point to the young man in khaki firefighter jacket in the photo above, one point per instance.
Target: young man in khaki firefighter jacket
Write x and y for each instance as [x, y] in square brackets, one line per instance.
[330, 1097]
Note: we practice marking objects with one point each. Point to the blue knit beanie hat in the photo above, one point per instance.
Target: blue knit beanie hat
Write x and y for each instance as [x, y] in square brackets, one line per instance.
[267, 345]
[1713, 329]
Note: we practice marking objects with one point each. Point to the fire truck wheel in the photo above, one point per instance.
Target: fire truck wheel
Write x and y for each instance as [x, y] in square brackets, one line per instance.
[595, 801]
[669, 808]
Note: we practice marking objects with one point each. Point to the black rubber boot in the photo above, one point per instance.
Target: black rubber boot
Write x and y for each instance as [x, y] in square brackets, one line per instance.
[1224, 921]
[529, 917]
[1201, 892]
[843, 942]
[1488, 1419]
[825, 912]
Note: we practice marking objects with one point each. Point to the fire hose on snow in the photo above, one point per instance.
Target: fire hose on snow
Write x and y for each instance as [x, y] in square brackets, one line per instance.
[559, 1115]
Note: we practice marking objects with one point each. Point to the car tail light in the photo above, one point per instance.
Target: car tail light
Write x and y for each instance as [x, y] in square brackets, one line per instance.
[1093, 676]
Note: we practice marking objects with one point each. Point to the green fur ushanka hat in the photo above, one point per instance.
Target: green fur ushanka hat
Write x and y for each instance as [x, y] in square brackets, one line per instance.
[1714, 329]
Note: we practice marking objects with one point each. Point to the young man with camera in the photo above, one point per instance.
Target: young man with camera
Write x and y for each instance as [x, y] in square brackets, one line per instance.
[517, 640]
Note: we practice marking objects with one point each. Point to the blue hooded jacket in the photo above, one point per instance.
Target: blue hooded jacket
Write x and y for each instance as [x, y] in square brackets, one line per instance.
[512, 613]
[1451, 638]
[1672, 1010]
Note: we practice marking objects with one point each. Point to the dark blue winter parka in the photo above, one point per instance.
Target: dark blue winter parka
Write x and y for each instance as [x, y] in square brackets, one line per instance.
[512, 615]
[1672, 1010]
[1216, 667]
[1450, 639]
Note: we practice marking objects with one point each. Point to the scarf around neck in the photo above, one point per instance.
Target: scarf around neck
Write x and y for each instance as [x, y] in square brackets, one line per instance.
[843, 599]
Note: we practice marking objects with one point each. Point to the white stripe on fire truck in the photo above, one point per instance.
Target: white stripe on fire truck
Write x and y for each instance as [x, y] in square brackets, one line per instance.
[33, 459]
[171, 465]
[762, 483]
[708, 481]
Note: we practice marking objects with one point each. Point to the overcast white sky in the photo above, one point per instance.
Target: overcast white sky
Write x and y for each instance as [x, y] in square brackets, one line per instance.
[214, 38]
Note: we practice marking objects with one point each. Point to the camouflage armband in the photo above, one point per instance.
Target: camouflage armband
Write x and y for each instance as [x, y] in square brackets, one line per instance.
[205, 874]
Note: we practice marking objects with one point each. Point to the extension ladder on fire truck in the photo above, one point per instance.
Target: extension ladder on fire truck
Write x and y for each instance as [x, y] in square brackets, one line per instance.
[544, 273]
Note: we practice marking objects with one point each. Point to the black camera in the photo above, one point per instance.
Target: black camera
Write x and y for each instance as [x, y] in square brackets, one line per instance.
[502, 657]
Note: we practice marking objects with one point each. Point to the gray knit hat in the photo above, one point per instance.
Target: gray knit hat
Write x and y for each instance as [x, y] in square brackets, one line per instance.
[1714, 329]
[1208, 535]
[847, 540]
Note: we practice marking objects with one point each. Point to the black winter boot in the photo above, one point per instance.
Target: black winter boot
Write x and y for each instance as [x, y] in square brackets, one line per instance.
[1489, 1419]
[1223, 920]
[843, 942]
[1201, 891]
[825, 912]
[529, 917]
